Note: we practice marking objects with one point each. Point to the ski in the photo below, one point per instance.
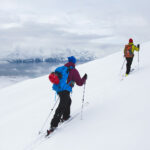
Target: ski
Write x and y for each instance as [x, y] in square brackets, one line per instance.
[63, 124]
[43, 135]
[123, 76]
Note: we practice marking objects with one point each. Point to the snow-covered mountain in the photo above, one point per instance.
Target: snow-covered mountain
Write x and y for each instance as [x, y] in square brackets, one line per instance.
[116, 118]
[48, 57]
[19, 65]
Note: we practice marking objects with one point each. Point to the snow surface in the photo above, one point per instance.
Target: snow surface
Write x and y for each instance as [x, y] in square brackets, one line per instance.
[10, 80]
[117, 117]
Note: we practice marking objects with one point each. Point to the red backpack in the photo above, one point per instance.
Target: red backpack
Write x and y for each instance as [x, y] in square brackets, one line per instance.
[53, 77]
[128, 51]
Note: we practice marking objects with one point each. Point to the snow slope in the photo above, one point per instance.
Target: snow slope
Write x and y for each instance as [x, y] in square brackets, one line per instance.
[117, 117]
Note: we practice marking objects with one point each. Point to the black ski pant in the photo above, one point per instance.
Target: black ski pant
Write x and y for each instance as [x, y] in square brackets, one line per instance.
[63, 109]
[128, 65]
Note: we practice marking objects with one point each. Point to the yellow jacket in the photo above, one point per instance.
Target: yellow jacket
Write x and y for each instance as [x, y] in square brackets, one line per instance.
[133, 48]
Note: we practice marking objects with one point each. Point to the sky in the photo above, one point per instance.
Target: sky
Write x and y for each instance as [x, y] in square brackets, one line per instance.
[41, 27]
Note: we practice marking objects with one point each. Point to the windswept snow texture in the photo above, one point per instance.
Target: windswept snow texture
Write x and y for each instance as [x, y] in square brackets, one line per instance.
[117, 117]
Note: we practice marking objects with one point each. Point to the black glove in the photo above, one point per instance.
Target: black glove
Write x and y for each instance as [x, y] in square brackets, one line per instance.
[85, 76]
[138, 46]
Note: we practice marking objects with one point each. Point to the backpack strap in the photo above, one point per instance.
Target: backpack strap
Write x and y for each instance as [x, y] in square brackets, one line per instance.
[71, 83]
[70, 67]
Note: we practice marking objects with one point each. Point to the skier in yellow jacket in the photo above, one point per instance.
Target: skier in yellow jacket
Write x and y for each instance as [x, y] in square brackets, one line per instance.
[129, 54]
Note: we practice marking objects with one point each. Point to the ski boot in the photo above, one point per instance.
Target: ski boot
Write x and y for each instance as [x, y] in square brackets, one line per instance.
[50, 131]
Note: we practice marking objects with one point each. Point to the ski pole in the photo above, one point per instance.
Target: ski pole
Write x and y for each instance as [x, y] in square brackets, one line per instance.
[48, 116]
[82, 102]
[123, 64]
[138, 59]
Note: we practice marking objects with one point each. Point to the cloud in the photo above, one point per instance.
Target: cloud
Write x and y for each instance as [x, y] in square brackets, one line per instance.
[94, 25]
[35, 35]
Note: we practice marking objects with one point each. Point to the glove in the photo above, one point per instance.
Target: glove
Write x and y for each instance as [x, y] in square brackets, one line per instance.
[85, 76]
[138, 46]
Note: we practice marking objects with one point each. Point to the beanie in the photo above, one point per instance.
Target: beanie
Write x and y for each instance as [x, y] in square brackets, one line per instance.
[72, 59]
[130, 40]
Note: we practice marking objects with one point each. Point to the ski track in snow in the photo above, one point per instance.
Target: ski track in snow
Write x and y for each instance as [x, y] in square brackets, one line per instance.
[117, 117]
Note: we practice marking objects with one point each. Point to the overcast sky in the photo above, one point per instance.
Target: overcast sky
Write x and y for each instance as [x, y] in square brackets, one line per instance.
[41, 26]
